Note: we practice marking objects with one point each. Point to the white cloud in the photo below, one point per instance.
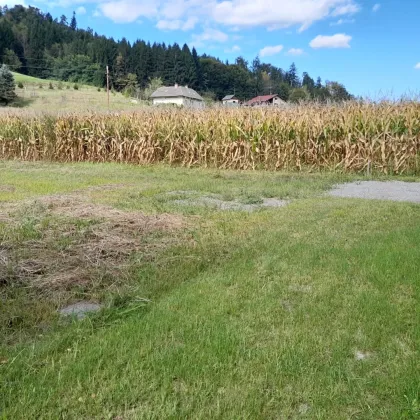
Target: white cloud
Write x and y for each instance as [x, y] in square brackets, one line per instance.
[376, 7]
[270, 50]
[346, 9]
[174, 25]
[223, 15]
[334, 41]
[234, 49]
[97, 13]
[417, 66]
[207, 36]
[277, 14]
[190, 23]
[169, 25]
[234, 14]
[295, 51]
[12, 3]
[127, 11]
[342, 22]
[81, 10]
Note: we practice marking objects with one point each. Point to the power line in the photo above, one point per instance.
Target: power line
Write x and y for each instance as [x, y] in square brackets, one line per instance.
[42, 60]
[16, 66]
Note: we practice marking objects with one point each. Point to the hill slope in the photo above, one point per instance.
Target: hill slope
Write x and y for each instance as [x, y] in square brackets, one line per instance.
[37, 95]
[56, 50]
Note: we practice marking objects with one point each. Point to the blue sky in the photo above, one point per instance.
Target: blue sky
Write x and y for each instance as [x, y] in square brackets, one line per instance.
[372, 46]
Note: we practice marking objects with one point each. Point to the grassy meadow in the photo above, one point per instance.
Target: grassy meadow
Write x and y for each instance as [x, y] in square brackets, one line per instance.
[37, 98]
[304, 311]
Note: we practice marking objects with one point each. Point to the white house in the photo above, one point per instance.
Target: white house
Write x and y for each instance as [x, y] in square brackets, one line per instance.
[230, 100]
[177, 95]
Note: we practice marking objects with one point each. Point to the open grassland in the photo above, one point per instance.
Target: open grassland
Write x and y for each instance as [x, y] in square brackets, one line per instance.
[353, 137]
[36, 97]
[305, 311]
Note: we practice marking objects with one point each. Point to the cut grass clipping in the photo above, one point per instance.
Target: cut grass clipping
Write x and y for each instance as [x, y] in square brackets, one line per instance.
[304, 311]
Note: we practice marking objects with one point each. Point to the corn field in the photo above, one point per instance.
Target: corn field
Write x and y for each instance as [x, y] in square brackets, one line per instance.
[355, 137]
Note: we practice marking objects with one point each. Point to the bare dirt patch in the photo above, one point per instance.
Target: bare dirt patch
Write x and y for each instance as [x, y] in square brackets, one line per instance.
[194, 198]
[362, 355]
[390, 190]
[80, 309]
[7, 188]
[76, 242]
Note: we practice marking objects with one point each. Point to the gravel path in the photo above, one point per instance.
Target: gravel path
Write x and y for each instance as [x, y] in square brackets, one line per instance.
[232, 205]
[377, 190]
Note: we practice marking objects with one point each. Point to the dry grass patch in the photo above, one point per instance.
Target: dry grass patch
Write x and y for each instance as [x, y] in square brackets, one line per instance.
[59, 242]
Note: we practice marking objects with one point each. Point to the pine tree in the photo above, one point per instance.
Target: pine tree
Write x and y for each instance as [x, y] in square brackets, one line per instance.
[257, 76]
[179, 65]
[190, 76]
[169, 71]
[292, 76]
[120, 73]
[241, 62]
[308, 81]
[309, 84]
[158, 59]
[73, 22]
[198, 71]
[7, 85]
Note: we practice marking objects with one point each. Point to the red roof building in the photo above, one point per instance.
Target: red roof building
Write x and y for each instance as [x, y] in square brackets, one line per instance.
[265, 100]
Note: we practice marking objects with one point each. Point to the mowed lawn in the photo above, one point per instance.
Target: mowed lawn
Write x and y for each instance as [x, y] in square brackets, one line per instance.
[305, 311]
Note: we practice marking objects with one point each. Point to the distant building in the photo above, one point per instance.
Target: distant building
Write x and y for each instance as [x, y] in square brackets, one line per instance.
[266, 100]
[177, 95]
[230, 100]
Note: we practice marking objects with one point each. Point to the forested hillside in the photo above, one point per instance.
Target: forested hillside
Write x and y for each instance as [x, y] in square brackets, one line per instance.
[36, 44]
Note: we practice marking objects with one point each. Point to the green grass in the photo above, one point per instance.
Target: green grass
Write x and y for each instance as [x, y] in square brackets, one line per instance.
[251, 315]
[33, 98]
[23, 78]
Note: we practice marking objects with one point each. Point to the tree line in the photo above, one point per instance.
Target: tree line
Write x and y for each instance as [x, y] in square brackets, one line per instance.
[36, 44]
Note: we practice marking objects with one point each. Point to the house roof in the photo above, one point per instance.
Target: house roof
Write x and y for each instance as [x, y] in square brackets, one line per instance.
[229, 97]
[176, 91]
[261, 99]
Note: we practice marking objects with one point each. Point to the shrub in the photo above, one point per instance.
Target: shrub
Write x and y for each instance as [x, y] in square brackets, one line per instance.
[60, 85]
[76, 86]
[20, 85]
[50, 86]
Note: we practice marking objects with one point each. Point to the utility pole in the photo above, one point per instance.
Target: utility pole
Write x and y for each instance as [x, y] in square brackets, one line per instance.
[107, 83]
